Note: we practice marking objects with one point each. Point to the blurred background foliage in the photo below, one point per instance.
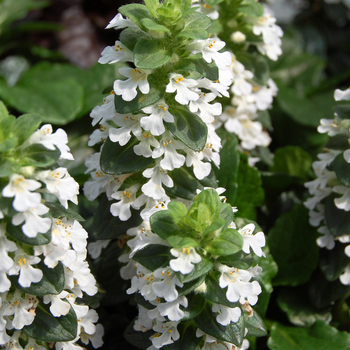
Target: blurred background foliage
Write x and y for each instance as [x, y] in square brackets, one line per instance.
[48, 55]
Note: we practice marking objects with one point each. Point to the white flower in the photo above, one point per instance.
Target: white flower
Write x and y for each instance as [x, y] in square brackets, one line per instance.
[186, 257]
[104, 112]
[126, 200]
[238, 285]
[340, 95]
[137, 78]
[116, 53]
[58, 306]
[158, 176]
[210, 50]
[333, 126]
[226, 314]
[129, 123]
[118, 22]
[95, 338]
[182, 87]
[45, 137]
[165, 288]
[33, 222]
[200, 169]
[345, 276]
[172, 309]
[344, 201]
[166, 334]
[99, 135]
[238, 37]
[327, 240]
[144, 147]
[61, 184]
[23, 265]
[206, 111]
[154, 122]
[172, 159]
[256, 242]
[95, 248]
[20, 188]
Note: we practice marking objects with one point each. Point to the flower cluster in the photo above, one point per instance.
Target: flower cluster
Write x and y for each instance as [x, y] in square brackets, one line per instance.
[252, 90]
[200, 275]
[43, 267]
[331, 189]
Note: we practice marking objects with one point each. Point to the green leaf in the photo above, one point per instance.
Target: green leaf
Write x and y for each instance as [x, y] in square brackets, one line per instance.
[238, 260]
[8, 167]
[150, 54]
[16, 232]
[177, 210]
[190, 286]
[3, 111]
[319, 336]
[188, 128]
[292, 243]
[51, 283]
[181, 242]
[58, 100]
[140, 101]
[59, 211]
[195, 26]
[153, 25]
[130, 36]
[215, 228]
[342, 170]
[232, 333]
[153, 256]
[118, 160]
[137, 338]
[46, 327]
[164, 225]
[305, 111]
[188, 339]
[39, 156]
[333, 262]
[25, 126]
[107, 226]
[257, 64]
[343, 111]
[200, 269]
[136, 12]
[255, 325]
[207, 70]
[292, 160]
[298, 308]
[253, 9]
[228, 242]
[7, 140]
[337, 220]
[195, 306]
[215, 293]
[152, 6]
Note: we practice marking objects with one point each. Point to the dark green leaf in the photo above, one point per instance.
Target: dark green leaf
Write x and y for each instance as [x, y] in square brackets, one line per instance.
[292, 243]
[343, 111]
[118, 160]
[47, 328]
[181, 242]
[208, 70]
[153, 256]
[337, 220]
[342, 170]
[233, 333]
[59, 211]
[39, 156]
[195, 26]
[298, 308]
[190, 286]
[187, 340]
[137, 338]
[257, 65]
[136, 12]
[26, 125]
[16, 232]
[107, 226]
[239, 260]
[195, 306]
[51, 283]
[163, 224]
[228, 242]
[255, 325]
[319, 336]
[150, 54]
[200, 269]
[140, 101]
[188, 128]
[292, 160]
[333, 262]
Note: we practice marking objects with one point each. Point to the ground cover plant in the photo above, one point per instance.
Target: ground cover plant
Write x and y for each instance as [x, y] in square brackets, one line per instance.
[174, 175]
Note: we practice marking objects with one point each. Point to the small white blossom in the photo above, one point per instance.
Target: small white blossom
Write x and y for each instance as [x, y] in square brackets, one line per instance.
[182, 86]
[116, 53]
[186, 257]
[256, 242]
[166, 334]
[226, 314]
